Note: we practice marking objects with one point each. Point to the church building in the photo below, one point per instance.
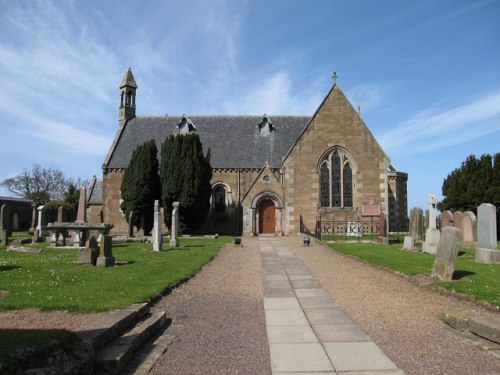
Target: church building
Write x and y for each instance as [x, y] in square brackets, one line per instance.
[271, 173]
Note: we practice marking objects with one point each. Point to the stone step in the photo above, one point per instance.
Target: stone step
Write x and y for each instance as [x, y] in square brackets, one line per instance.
[106, 327]
[486, 327]
[114, 356]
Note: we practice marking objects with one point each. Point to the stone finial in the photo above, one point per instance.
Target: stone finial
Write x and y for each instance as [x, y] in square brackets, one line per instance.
[334, 78]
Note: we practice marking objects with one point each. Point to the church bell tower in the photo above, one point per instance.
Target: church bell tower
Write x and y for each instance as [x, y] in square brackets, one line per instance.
[128, 87]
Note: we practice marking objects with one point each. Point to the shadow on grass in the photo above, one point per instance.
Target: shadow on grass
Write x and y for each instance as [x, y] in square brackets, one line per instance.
[457, 275]
[9, 268]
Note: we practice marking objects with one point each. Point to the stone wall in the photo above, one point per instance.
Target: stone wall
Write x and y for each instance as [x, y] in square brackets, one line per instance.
[335, 125]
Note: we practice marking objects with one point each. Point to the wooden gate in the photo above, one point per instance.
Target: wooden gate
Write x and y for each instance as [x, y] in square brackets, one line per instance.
[267, 220]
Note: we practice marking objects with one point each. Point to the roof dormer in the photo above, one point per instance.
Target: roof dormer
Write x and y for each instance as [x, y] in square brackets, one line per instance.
[266, 126]
[186, 126]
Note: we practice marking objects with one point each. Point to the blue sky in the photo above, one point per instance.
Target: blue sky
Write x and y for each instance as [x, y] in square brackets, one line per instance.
[426, 74]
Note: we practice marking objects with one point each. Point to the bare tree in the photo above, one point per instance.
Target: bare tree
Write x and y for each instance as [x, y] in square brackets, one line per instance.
[41, 184]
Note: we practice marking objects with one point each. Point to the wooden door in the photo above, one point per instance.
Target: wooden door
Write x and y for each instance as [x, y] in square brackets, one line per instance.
[267, 217]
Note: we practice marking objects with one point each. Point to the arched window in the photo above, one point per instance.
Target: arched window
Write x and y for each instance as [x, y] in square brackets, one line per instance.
[336, 185]
[219, 199]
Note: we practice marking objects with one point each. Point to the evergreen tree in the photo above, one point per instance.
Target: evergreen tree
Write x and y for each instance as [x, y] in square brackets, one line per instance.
[475, 182]
[185, 175]
[141, 186]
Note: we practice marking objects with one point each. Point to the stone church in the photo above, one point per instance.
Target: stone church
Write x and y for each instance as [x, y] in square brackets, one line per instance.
[271, 174]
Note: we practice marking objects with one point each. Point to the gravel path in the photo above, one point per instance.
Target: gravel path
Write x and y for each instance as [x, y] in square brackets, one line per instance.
[221, 312]
[400, 316]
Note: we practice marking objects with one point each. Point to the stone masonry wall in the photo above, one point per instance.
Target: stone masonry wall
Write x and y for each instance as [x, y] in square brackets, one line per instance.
[335, 124]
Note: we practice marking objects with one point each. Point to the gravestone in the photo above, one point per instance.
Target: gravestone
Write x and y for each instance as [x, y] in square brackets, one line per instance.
[382, 230]
[33, 218]
[432, 234]
[40, 225]
[409, 243]
[174, 240]
[4, 219]
[157, 238]
[457, 219]
[417, 224]
[106, 258]
[90, 253]
[447, 253]
[4, 238]
[81, 216]
[486, 248]
[131, 224]
[446, 219]
[469, 228]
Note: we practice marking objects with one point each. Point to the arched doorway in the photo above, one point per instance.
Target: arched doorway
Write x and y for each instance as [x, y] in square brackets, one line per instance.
[267, 219]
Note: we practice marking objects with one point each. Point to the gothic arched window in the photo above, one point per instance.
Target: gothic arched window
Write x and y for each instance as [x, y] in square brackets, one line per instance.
[219, 199]
[336, 185]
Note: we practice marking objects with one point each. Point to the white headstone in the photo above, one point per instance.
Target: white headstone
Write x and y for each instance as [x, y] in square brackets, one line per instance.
[432, 235]
[409, 243]
[486, 249]
[157, 238]
[174, 240]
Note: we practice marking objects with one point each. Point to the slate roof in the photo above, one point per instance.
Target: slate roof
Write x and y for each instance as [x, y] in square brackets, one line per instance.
[234, 141]
[95, 192]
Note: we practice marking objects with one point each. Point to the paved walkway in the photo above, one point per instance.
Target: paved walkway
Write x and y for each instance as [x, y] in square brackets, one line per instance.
[307, 331]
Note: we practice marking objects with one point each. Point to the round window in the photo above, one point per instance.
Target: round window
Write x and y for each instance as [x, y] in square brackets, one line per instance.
[267, 178]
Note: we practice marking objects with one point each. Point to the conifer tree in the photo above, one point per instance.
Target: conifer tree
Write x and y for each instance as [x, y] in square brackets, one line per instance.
[141, 186]
[475, 182]
[186, 176]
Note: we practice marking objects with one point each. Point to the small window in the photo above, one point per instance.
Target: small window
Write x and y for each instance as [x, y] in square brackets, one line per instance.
[267, 178]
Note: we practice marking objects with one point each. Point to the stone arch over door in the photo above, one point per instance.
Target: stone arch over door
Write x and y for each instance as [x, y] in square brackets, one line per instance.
[267, 209]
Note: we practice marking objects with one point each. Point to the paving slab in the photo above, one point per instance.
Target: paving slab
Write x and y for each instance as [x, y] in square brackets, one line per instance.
[358, 356]
[290, 334]
[301, 277]
[317, 302]
[286, 318]
[314, 292]
[332, 315]
[339, 333]
[278, 293]
[289, 303]
[299, 357]
[305, 284]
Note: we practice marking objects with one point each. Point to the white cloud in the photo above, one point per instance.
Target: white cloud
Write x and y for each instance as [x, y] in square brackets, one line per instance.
[368, 96]
[432, 129]
[274, 95]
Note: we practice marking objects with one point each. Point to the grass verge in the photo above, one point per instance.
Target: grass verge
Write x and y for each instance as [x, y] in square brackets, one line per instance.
[52, 280]
[481, 281]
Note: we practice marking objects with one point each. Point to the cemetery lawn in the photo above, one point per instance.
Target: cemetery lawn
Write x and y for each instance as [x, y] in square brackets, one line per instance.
[52, 280]
[476, 279]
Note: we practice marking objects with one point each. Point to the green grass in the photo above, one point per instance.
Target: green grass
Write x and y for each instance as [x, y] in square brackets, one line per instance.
[476, 279]
[52, 281]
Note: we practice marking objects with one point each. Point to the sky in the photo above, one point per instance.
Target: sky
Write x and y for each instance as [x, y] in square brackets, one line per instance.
[425, 74]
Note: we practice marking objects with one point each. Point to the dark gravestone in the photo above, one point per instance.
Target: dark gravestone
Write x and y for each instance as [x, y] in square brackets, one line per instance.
[89, 254]
[382, 230]
[106, 258]
[447, 252]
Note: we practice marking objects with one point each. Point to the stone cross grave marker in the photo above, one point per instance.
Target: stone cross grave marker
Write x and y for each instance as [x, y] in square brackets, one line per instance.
[447, 253]
[157, 238]
[432, 234]
[469, 229]
[174, 240]
[486, 248]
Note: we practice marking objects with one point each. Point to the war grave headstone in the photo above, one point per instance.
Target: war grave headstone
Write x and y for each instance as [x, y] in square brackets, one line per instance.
[90, 253]
[157, 238]
[174, 239]
[446, 219]
[486, 248]
[106, 258]
[432, 234]
[469, 228]
[447, 253]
